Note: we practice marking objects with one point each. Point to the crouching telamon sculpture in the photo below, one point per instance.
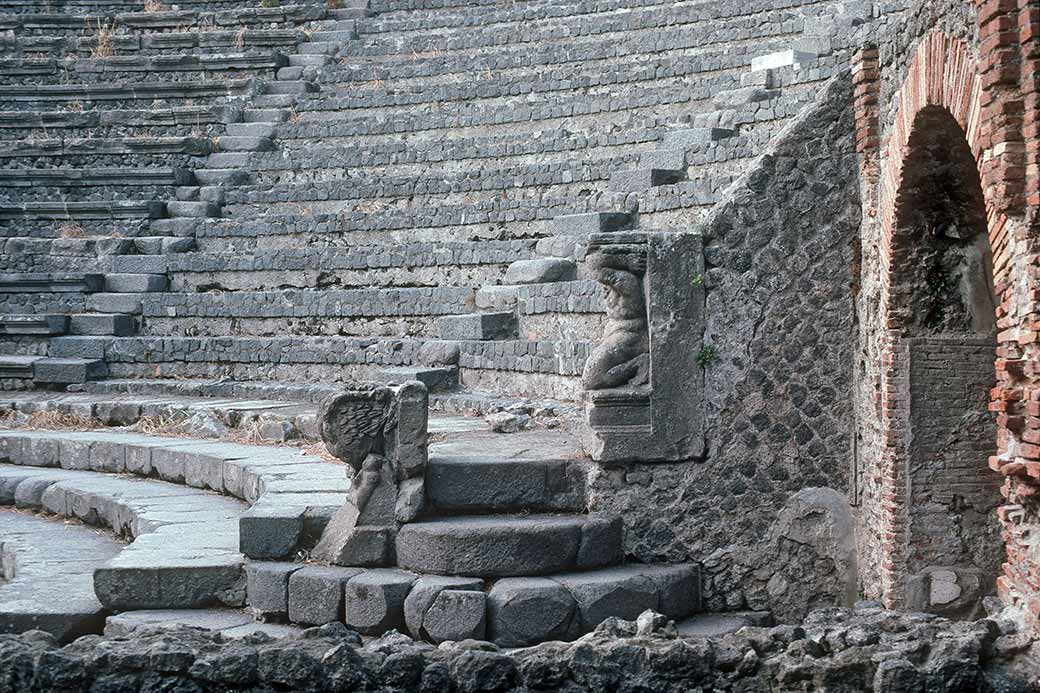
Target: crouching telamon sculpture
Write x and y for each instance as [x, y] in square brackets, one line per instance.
[644, 388]
[380, 432]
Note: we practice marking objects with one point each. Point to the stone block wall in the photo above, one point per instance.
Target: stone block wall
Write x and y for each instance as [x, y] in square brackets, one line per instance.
[765, 509]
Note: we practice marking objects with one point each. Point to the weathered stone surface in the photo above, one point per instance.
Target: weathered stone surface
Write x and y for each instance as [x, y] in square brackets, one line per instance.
[620, 655]
[496, 545]
[540, 271]
[267, 587]
[316, 594]
[456, 615]
[619, 592]
[528, 611]
[424, 593]
[374, 600]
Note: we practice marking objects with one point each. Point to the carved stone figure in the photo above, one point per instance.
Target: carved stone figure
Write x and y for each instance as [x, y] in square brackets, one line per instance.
[622, 357]
[380, 432]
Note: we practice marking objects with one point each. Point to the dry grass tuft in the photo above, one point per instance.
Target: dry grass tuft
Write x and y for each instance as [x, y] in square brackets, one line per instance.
[103, 48]
[71, 230]
[171, 425]
[155, 6]
[48, 419]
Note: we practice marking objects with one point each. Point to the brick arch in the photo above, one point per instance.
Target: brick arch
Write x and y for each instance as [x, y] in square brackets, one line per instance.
[943, 74]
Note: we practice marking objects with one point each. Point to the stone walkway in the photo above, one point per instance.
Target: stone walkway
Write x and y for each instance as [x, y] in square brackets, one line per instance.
[47, 568]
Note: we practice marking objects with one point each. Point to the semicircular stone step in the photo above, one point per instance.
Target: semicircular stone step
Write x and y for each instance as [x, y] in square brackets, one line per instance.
[48, 571]
[506, 546]
[184, 552]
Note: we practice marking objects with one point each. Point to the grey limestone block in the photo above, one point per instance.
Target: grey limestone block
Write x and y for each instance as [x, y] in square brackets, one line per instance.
[65, 371]
[540, 271]
[670, 159]
[135, 283]
[78, 347]
[423, 594]
[268, 531]
[39, 452]
[693, 138]
[497, 298]
[601, 541]
[115, 303]
[592, 222]
[479, 326]
[621, 592]
[495, 546]
[528, 611]
[193, 210]
[642, 179]
[140, 264]
[116, 325]
[456, 615]
[373, 602]
[678, 588]
[117, 413]
[267, 587]
[171, 584]
[316, 594]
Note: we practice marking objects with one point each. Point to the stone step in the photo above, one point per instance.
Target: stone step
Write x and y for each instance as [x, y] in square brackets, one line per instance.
[436, 379]
[333, 36]
[266, 115]
[93, 177]
[223, 176]
[292, 495]
[514, 612]
[135, 283]
[101, 324]
[43, 325]
[273, 99]
[48, 576]
[265, 130]
[194, 210]
[510, 546]
[309, 60]
[639, 180]
[593, 222]
[80, 211]
[245, 144]
[191, 116]
[480, 326]
[482, 481]
[135, 91]
[184, 552]
[47, 282]
[318, 48]
[231, 624]
[291, 87]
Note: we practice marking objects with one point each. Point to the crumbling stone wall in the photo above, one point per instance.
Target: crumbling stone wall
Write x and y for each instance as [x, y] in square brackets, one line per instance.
[780, 324]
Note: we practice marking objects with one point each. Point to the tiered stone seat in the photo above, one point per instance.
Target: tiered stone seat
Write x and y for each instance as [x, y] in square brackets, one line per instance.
[47, 575]
[186, 540]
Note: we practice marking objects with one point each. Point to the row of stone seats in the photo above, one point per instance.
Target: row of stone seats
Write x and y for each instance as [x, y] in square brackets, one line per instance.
[537, 369]
[47, 570]
[182, 532]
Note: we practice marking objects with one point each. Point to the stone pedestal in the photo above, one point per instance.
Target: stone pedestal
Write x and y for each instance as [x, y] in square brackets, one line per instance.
[660, 420]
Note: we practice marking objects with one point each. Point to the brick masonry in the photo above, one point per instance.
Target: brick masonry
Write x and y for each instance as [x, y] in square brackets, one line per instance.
[974, 62]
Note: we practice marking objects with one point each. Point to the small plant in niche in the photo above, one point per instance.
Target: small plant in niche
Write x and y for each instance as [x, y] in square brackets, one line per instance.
[707, 356]
[698, 280]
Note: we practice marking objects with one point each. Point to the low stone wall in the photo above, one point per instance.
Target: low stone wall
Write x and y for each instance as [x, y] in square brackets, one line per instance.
[834, 650]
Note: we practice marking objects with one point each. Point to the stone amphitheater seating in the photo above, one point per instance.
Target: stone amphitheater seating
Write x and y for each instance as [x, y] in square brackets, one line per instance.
[218, 212]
